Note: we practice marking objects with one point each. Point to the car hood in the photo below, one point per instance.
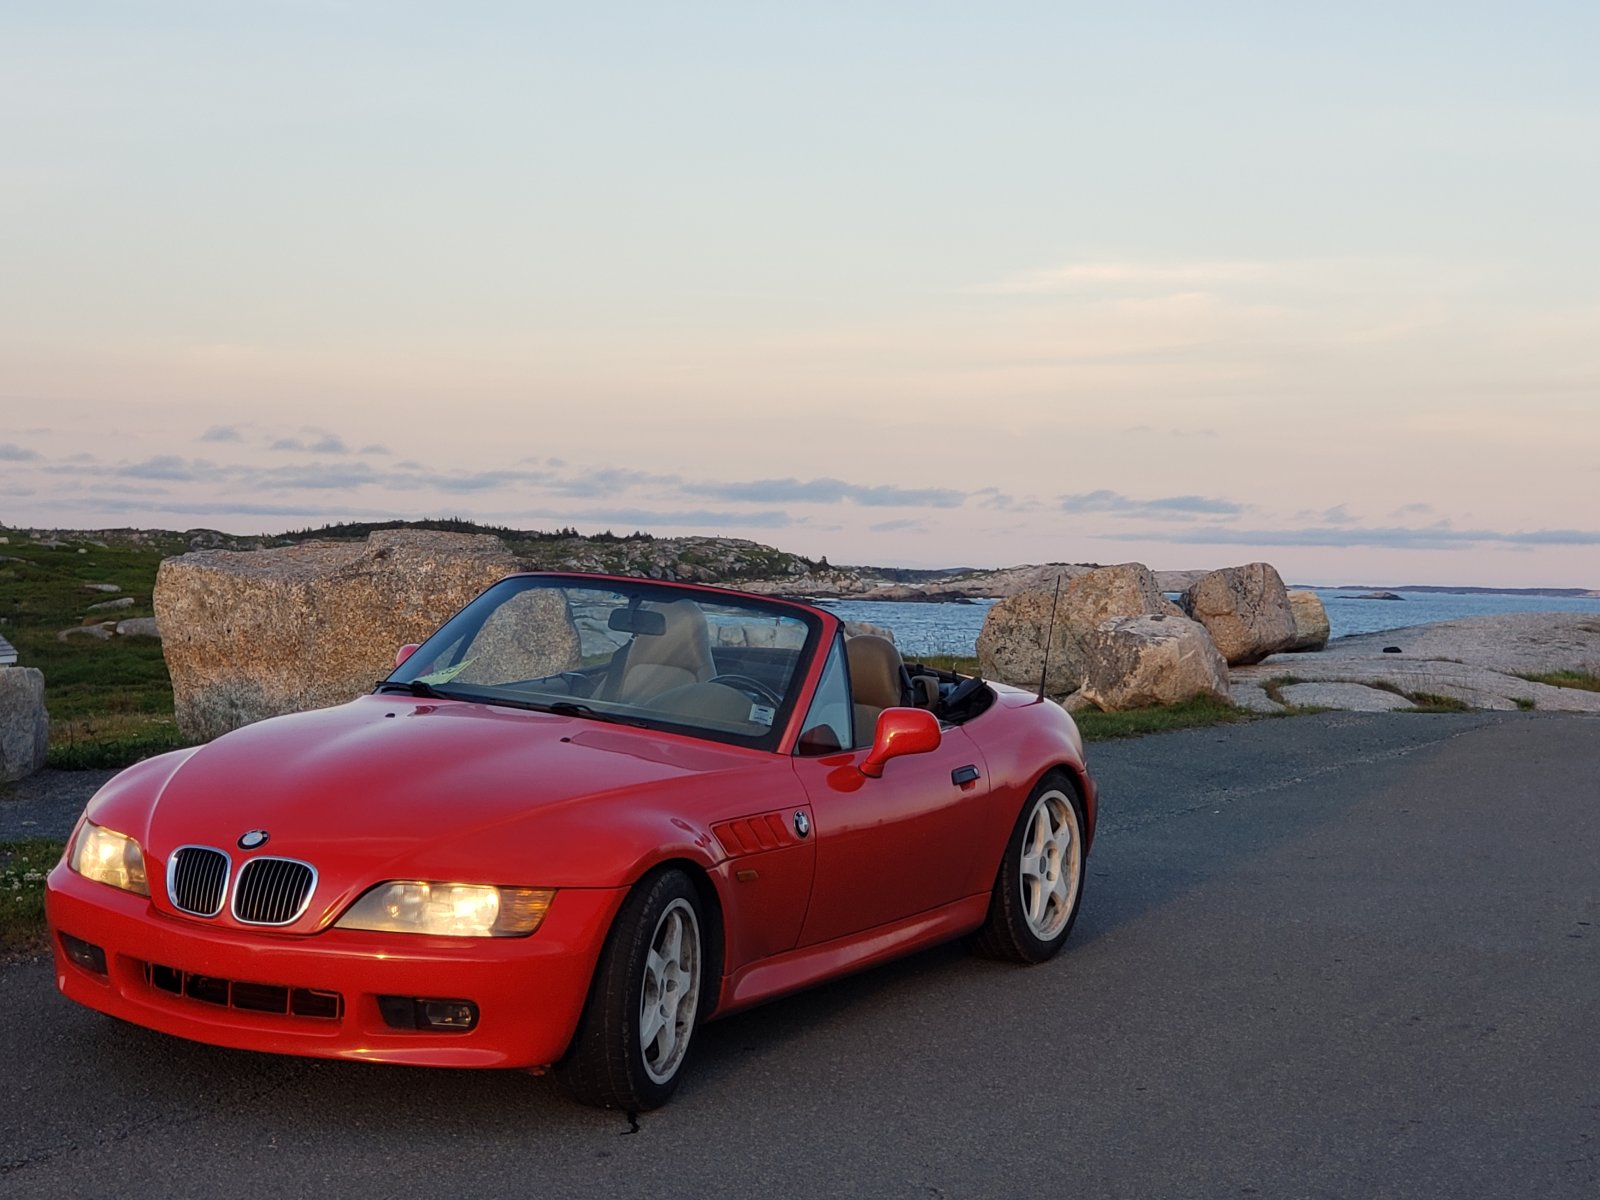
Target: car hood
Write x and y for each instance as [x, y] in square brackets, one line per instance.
[388, 779]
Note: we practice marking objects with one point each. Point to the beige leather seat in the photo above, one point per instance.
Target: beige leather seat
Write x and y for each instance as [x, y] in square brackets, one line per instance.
[679, 655]
[877, 681]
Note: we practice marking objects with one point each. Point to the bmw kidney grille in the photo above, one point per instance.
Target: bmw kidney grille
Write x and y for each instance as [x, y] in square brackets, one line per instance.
[197, 879]
[273, 891]
[266, 891]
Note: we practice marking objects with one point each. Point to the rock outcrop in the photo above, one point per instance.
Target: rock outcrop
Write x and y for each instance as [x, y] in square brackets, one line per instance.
[1011, 643]
[1134, 662]
[1245, 610]
[249, 635]
[24, 723]
[1311, 628]
[1481, 661]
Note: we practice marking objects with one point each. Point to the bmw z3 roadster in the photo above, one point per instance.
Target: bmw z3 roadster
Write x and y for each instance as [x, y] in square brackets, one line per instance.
[587, 815]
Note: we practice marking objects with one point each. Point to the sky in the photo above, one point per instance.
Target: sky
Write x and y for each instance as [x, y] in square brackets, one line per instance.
[920, 284]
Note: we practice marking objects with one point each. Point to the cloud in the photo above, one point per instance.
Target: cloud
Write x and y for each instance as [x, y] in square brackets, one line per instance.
[318, 476]
[224, 508]
[326, 443]
[641, 517]
[601, 481]
[223, 433]
[1122, 274]
[1153, 431]
[1163, 508]
[11, 452]
[375, 448]
[903, 525]
[1434, 537]
[827, 491]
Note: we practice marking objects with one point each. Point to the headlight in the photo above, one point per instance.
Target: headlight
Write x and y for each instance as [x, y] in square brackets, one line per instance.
[449, 909]
[109, 857]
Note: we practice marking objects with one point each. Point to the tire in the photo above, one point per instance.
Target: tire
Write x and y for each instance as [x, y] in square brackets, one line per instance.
[1039, 887]
[644, 1002]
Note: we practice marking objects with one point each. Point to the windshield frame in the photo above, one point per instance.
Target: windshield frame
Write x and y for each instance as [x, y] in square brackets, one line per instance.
[470, 620]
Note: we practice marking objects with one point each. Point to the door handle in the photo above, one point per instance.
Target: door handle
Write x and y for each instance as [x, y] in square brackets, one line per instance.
[962, 776]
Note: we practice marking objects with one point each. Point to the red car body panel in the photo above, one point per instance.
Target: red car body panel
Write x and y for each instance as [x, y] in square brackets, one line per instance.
[398, 787]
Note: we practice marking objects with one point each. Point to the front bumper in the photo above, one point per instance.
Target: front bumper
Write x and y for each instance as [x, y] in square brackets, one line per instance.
[529, 991]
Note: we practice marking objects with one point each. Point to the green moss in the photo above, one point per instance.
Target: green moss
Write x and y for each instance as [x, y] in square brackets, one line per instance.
[1102, 726]
[1274, 688]
[1583, 681]
[1430, 702]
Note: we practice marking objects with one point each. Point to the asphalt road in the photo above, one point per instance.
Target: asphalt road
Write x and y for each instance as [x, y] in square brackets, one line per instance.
[1341, 956]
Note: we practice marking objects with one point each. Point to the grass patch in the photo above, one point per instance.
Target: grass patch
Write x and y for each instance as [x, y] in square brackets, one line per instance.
[1193, 714]
[1274, 688]
[1431, 702]
[23, 866]
[1583, 681]
[1523, 703]
[110, 700]
[111, 741]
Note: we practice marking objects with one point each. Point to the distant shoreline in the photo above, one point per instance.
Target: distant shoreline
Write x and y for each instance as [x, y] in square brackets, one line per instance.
[1457, 590]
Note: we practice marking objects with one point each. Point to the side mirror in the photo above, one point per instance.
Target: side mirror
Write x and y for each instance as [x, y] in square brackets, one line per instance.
[901, 731]
[404, 653]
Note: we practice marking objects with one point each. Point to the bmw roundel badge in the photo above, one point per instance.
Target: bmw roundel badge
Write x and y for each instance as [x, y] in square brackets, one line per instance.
[256, 837]
[802, 823]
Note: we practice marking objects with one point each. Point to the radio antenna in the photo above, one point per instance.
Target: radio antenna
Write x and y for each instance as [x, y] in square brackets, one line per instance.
[1049, 639]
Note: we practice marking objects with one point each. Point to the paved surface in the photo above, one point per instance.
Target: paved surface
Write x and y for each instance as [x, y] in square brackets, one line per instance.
[1332, 956]
[46, 804]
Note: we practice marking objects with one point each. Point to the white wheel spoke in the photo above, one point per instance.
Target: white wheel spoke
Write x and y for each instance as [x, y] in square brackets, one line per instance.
[1040, 834]
[650, 1024]
[1049, 866]
[670, 991]
[1059, 893]
[666, 1041]
[1062, 841]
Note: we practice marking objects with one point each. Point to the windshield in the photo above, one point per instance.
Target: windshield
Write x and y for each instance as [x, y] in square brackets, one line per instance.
[702, 662]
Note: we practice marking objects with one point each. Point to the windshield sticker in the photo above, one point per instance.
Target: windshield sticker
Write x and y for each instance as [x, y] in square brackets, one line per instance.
[760, 714]
[446, 675]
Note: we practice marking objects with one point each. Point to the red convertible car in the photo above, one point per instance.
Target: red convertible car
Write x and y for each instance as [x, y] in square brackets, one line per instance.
[585, 816]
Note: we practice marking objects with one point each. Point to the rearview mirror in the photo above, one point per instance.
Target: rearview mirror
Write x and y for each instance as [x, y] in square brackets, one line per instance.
[404, 653]
[901, 731]
[638, 621]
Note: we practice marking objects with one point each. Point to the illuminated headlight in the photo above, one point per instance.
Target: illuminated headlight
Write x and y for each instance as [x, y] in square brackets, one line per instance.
[449, 909]
[109, 857]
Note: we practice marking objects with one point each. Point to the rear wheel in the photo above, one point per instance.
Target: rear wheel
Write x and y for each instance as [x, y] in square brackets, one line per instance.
[1040, 883]
[634, 1035]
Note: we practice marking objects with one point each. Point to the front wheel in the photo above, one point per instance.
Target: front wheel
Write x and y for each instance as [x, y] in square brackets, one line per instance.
[634, 1034]
[1040, 882]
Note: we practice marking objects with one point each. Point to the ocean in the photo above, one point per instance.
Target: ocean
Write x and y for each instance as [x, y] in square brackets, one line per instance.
[953, 628]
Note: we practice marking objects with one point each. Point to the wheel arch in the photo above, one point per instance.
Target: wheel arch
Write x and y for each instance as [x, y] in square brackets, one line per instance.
[711, 910]
[1081, 780]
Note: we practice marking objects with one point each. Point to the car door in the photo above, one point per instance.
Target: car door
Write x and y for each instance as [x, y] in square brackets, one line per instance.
[892, 847]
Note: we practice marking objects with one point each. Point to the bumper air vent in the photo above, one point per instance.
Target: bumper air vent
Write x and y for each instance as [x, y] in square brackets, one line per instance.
[248, 997]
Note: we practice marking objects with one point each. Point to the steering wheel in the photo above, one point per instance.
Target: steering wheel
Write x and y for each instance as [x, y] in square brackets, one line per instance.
[753, 688]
